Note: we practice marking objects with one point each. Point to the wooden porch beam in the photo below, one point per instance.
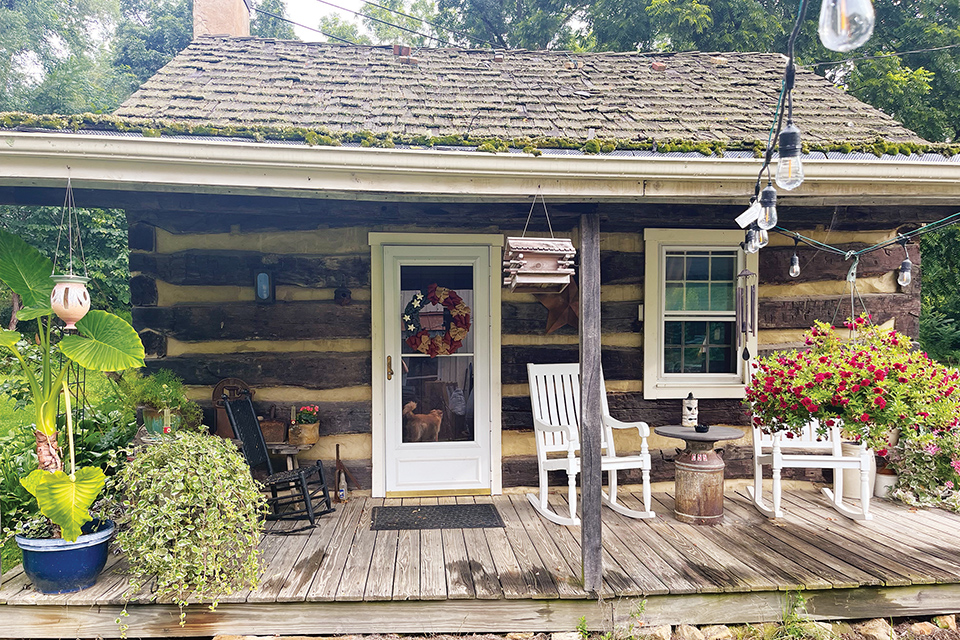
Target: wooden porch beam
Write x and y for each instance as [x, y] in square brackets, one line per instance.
[590, 401]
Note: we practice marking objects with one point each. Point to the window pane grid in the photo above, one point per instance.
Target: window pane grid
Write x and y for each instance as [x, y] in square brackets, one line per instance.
[698, 311]
[698, 347]
[699, 281]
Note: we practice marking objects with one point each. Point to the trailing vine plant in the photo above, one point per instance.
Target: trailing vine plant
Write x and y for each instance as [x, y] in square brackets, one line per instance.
[193, 520]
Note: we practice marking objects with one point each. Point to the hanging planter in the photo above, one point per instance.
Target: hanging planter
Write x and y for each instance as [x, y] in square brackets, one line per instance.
[538, 265]
[70, 299]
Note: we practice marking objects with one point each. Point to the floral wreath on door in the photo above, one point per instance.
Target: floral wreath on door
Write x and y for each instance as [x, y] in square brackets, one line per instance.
[456, 328]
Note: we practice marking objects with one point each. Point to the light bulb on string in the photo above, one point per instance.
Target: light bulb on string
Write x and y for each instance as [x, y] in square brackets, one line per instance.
[750, 241]
[845, 24]
[789, 167]
[906, 267]
[795, 260]
[768, 208]
[904, 278]
[763, 239]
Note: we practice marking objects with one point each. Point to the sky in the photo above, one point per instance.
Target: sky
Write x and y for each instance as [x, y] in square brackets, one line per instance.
[308, 12]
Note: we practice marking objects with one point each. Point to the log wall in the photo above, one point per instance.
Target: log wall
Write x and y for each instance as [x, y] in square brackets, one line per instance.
[193, 260]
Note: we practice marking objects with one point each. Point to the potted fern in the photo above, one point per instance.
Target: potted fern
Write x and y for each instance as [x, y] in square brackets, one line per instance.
[103, 342]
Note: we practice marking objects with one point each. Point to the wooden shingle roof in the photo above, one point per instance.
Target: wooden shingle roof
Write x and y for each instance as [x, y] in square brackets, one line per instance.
[625, 96]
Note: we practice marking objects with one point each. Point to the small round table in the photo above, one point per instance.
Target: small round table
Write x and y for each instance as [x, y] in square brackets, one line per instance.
[699, 472]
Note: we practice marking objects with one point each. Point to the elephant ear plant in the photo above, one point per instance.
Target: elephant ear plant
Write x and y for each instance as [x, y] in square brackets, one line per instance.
[103, 342]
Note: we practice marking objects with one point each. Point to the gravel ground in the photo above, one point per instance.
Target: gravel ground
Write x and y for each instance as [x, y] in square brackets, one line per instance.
[877, 629]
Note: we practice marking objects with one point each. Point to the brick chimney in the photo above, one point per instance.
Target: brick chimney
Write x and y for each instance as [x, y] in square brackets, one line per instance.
[221, 18]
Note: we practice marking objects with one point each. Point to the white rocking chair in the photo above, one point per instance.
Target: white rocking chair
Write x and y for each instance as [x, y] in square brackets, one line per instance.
[555, 399]
[809, 450]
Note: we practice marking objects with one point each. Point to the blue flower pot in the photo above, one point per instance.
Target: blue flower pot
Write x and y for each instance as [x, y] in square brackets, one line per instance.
[55, 565]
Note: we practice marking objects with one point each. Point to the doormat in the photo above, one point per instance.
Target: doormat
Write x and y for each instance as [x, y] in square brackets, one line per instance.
[443, 516]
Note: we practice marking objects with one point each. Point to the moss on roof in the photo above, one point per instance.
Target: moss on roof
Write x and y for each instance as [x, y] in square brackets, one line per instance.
[322, 136]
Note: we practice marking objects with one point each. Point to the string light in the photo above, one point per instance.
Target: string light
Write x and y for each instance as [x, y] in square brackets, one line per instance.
[788, 139]
[845, 24]
[906, 267]
[789, 167]
[905, 274]
[763, 238]
[794, 261]
[768, 208]
[749, 243]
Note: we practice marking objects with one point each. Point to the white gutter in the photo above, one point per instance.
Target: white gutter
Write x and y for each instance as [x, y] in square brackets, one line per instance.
[212, 165]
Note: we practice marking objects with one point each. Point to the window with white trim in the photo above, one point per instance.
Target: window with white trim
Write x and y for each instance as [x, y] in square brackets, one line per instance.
[690, 338]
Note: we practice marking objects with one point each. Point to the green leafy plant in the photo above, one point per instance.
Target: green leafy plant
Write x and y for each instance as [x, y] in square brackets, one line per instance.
[582, 628]
[193, 518]
[159, 391]
[104, 342]
[66, 499]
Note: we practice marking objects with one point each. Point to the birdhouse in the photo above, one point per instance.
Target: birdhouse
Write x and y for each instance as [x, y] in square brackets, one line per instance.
[538, 265]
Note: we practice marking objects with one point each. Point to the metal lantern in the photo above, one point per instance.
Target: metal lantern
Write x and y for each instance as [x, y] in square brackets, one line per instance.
[69, 298]
[538, 265]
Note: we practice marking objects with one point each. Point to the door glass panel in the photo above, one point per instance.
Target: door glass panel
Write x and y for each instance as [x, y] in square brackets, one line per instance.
[437, 346]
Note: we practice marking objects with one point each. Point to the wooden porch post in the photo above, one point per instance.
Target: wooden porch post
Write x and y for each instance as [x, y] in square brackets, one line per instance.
[590, 403]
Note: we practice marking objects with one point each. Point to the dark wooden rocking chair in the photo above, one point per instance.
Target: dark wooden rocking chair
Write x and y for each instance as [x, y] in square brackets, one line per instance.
[305, 486]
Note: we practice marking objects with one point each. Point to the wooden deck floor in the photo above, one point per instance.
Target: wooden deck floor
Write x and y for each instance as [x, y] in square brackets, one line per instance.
[341, 577]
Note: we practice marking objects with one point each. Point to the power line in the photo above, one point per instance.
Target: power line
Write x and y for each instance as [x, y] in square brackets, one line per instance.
[882, 55]
[389, 24]
[434, 25]
[303, 26]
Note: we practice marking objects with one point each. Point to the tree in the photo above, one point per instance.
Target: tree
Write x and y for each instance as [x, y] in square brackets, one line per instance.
[940, 297]
[150, 33]
[266, 26]
[914, 25]
[393, 22]
[81, 84]
[411, 28]
[513, 24]
[39, 36]
[336, 26]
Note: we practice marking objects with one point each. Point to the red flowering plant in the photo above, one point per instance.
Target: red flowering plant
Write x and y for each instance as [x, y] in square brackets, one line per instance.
[874, 384]
[308, 414]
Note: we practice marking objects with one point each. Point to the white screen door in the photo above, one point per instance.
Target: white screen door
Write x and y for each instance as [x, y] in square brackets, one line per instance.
[436, 380]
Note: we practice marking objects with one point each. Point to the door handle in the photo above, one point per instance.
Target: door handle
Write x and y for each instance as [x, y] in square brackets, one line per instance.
[389, 368]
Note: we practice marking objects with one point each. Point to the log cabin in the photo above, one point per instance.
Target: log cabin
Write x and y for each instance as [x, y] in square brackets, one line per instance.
[292, 206]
